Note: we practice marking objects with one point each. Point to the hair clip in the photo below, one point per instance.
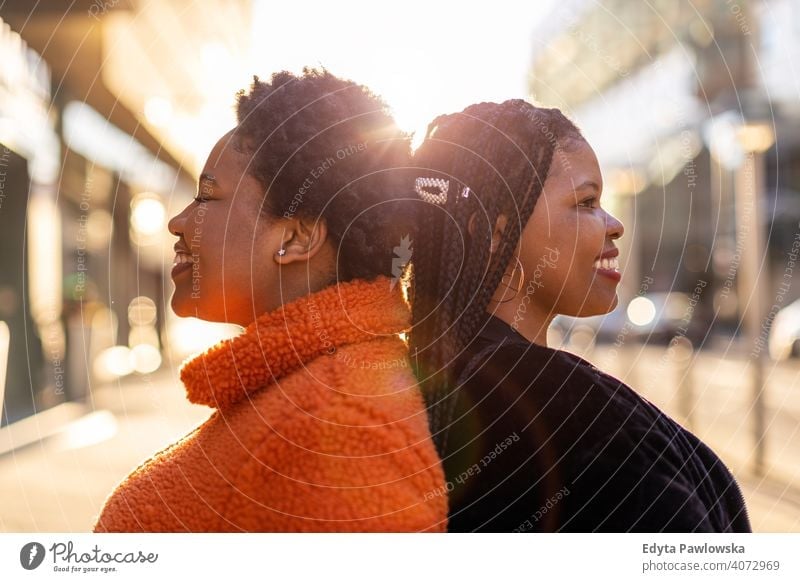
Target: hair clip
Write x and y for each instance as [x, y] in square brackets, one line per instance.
[421, 187]
[465, 192]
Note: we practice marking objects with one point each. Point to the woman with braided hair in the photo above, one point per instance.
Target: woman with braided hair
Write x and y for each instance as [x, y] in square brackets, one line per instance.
[512, 233]
[318, 422]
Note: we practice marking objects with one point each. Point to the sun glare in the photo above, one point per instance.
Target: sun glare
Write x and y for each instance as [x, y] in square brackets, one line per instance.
[427, 58]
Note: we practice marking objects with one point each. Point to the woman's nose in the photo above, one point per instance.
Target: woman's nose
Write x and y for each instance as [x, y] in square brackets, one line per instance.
[614, 227]
[176, 223]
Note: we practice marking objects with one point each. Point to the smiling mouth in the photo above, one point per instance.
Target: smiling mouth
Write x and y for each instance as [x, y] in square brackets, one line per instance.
[181, 258]
[182, 262]
[611, 264]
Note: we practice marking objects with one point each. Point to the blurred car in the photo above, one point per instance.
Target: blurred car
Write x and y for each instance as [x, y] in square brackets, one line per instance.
[784, 335]
[652, 318]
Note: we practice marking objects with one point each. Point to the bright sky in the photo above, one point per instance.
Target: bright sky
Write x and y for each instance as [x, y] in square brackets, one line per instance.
[423, 57]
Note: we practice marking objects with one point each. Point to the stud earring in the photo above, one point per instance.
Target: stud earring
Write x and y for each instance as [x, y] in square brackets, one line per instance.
[281, 252]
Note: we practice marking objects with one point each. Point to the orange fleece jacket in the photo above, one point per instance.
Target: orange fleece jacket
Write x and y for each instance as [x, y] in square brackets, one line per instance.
[319, 426]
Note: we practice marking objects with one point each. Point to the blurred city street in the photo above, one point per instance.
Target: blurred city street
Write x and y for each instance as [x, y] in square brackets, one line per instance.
[53, 486]
[58, 485]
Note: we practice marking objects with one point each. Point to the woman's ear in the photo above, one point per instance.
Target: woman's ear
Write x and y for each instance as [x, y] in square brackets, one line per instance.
[302, 239]
[497, 231]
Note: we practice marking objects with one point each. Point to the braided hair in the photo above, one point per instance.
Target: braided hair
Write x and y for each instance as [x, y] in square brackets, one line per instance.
[327, 148]
[502, 153]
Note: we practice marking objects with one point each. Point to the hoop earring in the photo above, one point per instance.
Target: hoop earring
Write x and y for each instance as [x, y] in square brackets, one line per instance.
[511, 278]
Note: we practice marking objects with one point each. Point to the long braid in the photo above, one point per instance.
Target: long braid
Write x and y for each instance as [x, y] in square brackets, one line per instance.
[502, 152]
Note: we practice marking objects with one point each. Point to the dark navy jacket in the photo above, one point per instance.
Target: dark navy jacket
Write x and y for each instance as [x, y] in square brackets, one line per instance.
[541, 440]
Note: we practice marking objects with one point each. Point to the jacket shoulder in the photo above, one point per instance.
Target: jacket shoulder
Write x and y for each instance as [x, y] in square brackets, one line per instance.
[351, 452]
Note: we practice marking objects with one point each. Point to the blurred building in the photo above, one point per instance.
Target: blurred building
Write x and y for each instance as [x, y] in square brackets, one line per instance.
[107, 111]
[676, 97]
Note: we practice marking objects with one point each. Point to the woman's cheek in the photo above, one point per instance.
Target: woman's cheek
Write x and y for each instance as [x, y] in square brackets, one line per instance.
[591, 235]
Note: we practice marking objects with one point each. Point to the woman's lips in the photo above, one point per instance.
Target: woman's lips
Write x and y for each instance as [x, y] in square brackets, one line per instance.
[182, 262]
[609, 268]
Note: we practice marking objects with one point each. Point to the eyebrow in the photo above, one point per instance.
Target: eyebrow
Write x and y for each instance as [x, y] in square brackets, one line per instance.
[589, 184]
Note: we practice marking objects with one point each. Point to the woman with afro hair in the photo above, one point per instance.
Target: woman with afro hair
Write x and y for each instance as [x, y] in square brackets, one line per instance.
[318, 422]
[511, 233]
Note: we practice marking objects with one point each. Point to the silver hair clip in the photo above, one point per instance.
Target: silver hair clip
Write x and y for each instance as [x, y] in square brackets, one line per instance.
[465, 192]
[421, 185]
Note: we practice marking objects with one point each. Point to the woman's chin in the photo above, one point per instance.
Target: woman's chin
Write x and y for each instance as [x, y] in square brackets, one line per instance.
[180, 306]
[598, 307]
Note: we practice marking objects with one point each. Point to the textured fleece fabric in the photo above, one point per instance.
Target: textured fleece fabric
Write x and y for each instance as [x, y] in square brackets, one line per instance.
[319, 426]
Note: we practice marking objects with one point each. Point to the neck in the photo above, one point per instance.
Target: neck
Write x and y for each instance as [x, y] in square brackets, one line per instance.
[297, 281]
[282, 341]
[525, 317]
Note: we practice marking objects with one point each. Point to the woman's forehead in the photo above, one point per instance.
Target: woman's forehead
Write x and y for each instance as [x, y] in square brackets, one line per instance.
[576, 167]
[227, 160]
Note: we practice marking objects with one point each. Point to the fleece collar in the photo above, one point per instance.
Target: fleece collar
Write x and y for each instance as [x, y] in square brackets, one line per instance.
[283, 340]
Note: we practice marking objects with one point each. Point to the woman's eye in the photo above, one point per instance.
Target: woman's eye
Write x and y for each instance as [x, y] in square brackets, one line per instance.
[588, 203]
[204, 191]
